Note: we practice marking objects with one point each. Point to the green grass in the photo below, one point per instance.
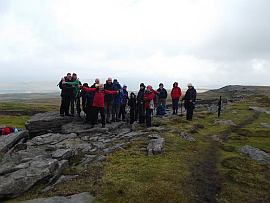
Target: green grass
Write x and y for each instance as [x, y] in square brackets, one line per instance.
[129, 175]
[13, 121]
[28, 107]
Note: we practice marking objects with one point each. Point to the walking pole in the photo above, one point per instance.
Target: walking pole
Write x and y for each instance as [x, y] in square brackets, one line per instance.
[219, 106]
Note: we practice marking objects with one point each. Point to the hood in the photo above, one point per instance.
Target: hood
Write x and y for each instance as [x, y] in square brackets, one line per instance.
[175, 84]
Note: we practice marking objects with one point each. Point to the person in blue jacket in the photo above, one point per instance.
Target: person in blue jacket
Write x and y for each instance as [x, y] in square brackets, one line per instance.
[117, 101]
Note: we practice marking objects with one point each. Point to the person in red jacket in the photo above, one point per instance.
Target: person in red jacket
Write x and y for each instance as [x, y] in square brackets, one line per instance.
[175, 94]
[98, 101]
[149, 97]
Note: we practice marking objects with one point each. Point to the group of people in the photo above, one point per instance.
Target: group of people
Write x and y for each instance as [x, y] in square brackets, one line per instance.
[111, 100]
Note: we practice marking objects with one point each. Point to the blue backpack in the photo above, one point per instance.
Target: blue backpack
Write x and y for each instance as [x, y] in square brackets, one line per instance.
[161, 110]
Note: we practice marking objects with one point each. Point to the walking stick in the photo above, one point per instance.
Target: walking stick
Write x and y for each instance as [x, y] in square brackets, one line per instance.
[219, 106]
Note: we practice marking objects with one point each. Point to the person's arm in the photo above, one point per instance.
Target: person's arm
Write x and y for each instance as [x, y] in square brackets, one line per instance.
[110, 92]
[88, 89]
[166, 94]
[76, 82]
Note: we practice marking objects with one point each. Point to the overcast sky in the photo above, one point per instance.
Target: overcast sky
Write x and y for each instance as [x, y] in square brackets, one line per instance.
[210, 43]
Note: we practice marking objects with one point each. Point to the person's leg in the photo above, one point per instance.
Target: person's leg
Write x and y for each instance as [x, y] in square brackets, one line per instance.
[148, 117]
[94, 115]
[67, 105]
[132, 116]
[113, 112]
[124, 112]
[62, 107]
[102, 114]
[189, 109]
[78, 106]
[118, 112]
[72, 101]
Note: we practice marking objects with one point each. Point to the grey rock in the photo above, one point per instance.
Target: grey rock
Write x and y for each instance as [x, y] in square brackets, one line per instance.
[51, 138]
[101, 158]
[59, 170]
[259, 109]
[255, 154]
[88, 159]
[187, 137]
[8, 141]
[63, 154]
[77, 198]
[155, 129]
[265, 125]
[46, 122]
[15, 183]
[225, 122]
[217, 138]
[155, 146]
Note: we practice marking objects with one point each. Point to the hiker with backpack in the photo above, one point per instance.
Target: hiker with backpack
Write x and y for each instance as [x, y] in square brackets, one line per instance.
[175, 95]
[161, 96]
[140, 104]
[149, 97]
[132, 108]
[124, 101]
[189, 101]
[108, 100]
[67, 92]
[98, 102]
[116, 101]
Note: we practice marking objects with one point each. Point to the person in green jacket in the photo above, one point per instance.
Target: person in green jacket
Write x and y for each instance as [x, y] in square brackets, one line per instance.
[75, 99]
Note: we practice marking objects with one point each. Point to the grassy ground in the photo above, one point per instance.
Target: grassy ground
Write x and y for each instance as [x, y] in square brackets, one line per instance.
[15, 114]
[200, 171]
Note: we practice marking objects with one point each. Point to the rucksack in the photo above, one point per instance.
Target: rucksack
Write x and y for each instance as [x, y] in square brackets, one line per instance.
[161, 110]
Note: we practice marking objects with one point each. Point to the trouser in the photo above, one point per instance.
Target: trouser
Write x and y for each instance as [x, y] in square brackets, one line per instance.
[78, 105]
[115, 112]
[122, 112]
[148, 117]
[162, 102]
[65, 103]
[96, 111]
[132, 115]
[108, 110]
[90, 114]
[141, 112]
[189, 108]
[175, 104]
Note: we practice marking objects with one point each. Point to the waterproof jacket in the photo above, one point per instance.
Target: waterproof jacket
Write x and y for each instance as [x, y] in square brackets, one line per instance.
[148, 96]
[132, 103]
[67, 89]
[118, 98]
[125, 97]
[98, 100]
[162, 93]
[109, 97]
[75, 84]
[190, 96]
[176, 92]
[140, 96]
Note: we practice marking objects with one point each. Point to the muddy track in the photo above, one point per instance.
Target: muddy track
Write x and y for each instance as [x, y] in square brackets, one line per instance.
[204, 180]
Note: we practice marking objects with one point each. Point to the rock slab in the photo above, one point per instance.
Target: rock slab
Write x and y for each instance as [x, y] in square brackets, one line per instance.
[255, 154]
[8, 141]
[156, 146]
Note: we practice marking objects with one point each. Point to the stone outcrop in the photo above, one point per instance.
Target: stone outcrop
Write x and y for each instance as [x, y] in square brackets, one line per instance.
[155, 146]
[255, 154]
[7, 142]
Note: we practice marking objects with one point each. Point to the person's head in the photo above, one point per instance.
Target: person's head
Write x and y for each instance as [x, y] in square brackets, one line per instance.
[101, 87]
[125, 87]
[74, 76]
[85, 84]
[69, 77]
[132, 95]
[149, 88]
[115, 81]
[142, 86]
[161, 86]
[190, 86]
[97, 81]
[175, 84]
[109, 81]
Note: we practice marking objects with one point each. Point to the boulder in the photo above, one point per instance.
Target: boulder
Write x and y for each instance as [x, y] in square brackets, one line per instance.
[84, 197]
[43, 123]
[255, 154]
[155, 146]
[187, 137]
[8, 141]
[27, 174]
[50, 139]
[63, 154]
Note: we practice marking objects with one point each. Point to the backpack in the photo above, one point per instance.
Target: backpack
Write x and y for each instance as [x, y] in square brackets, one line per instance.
[161, 110]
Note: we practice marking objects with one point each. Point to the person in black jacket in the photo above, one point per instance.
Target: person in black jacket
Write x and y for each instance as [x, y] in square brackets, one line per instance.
[124, 100]
[162, 96]
[67, 91]
[108, 100]
[83, 95]
[132, 107]
[189, 101]
[140, 104]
